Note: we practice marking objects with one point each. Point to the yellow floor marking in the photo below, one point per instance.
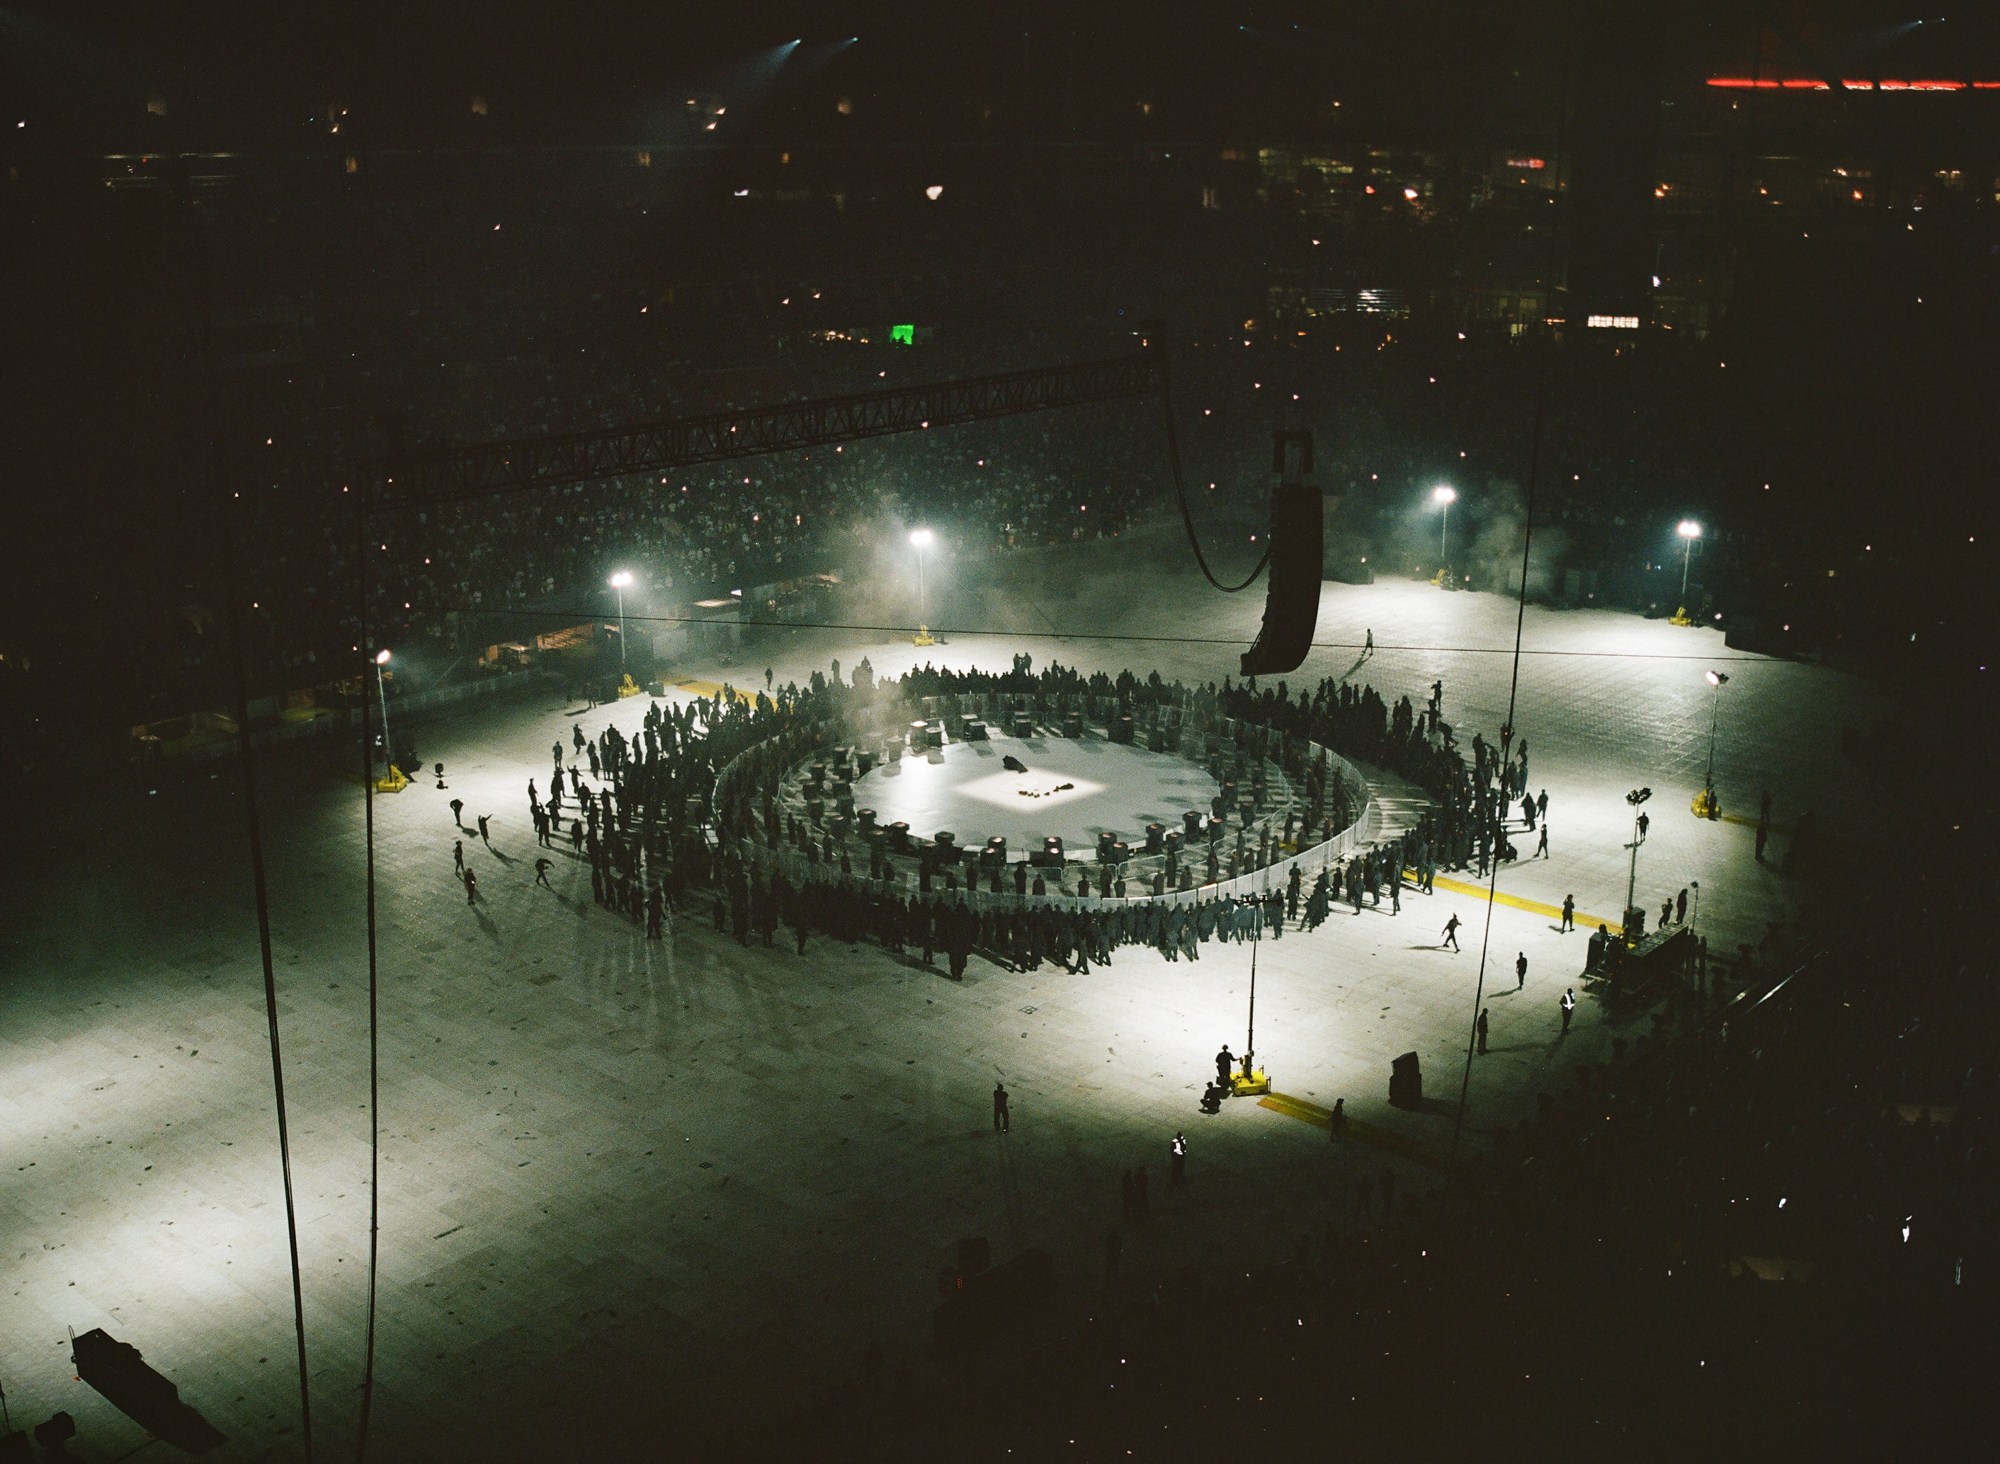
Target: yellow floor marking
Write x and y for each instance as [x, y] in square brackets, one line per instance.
[1533, 907]
[1373, 1135]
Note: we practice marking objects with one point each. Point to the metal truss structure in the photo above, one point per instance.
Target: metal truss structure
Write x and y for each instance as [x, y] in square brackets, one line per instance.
[583, 457]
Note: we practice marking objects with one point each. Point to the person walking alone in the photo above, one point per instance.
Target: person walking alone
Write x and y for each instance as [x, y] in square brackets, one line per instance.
[1482, 1031]
[542, 867]
[1450, 934]
[1569, 913]
[1177, 1174]
[1568, 1007]
[1542, 843]
[1000, 1114]
[1520, 970]
[458, 856]
[471, 887]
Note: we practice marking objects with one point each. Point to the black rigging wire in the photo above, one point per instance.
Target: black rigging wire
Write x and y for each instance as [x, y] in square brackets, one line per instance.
[1520, 609]
[1180, 488]
[374, 1029]
[197, 267]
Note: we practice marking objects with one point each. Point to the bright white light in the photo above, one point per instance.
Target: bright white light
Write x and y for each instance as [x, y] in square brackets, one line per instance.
[1410, 194]
[921, 538]
[934, 192]
[621, 579]
[1688, 529]
[1444, 493]
[382, 657]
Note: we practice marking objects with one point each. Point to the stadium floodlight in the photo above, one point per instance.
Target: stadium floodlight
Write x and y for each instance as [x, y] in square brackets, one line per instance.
[618, 582]
[1689, 530]
[1636, 797]
[1444, 496]
[382, 695]
[1706, 805]
[922, 539]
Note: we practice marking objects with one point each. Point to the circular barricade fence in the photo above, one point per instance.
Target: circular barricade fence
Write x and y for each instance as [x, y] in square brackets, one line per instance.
[785, 805]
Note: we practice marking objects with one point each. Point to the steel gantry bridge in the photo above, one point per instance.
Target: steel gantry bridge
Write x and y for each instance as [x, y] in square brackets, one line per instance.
[520, 466]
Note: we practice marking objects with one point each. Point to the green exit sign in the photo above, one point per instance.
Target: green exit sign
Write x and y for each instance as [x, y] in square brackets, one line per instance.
[903, 335]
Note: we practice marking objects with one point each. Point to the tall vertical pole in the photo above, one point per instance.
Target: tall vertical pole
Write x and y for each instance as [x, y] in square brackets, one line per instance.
[1444, 534]
[923, 594]
[1250, 1037]
[1715, 711]
[1632, 881]
[621, 627]
[382, 693]
[1687, 561]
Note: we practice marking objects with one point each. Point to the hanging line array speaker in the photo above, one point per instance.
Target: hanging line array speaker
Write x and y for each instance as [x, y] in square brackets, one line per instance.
[1297, 549]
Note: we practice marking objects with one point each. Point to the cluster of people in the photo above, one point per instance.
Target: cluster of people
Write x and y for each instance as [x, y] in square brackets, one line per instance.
[776, 869]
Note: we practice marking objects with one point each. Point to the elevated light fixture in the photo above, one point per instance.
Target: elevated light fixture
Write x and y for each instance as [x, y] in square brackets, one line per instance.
[1689, 530]
[1636, 797]
[1707, 805]
[618, 582]
[382, 695]
[921, 540]
[1444, 496]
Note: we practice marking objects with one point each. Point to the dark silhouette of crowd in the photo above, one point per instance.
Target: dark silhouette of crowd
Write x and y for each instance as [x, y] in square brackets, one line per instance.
[690, 812]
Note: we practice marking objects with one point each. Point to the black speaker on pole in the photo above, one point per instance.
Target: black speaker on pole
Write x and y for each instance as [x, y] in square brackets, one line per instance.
[1298, 541]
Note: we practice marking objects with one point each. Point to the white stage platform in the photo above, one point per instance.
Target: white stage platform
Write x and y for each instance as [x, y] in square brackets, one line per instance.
[1074, 788]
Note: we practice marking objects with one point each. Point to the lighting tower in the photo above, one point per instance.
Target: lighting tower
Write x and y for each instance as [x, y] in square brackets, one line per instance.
[1689, 530]
[1444, 496]
[1639, 821]
[921, 540]
[618, 582]
[382, 693]
[1706, 804]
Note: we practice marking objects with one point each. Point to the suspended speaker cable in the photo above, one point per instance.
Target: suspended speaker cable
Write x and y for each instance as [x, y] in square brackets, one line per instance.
[1180, 489]
[232, 589]
[374, 989]
[1520, 624]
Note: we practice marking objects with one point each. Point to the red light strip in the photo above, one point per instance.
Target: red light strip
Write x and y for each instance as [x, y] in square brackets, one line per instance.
[1806, 83]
